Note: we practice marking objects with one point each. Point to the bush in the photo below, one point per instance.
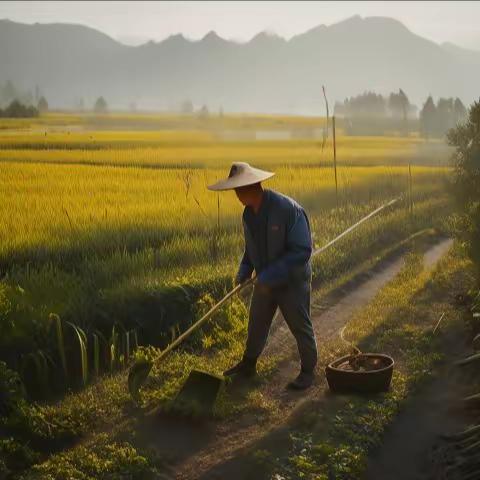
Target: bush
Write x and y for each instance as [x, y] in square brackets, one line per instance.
[18, 110]
[12, 394]
[106, 460]
[466, 138]
[100, 106]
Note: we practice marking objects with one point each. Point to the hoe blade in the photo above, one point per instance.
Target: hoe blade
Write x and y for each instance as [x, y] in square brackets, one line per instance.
[198, 395]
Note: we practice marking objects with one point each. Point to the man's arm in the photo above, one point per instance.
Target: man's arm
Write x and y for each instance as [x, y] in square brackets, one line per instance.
[298, 250]
[245, 269]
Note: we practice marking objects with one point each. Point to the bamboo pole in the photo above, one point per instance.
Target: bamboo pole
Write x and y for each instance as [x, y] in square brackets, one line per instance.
[335, 159]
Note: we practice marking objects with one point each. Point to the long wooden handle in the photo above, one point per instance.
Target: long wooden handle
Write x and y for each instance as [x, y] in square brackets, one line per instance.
[355, 225]
[202, 320]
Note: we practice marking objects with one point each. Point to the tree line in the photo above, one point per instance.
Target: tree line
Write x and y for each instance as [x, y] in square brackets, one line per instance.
[15, 102]
[372, 113]
[17, 109]
[437, 119]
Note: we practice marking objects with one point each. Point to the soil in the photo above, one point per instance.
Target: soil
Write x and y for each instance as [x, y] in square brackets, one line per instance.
[406, 452]
[215, 449]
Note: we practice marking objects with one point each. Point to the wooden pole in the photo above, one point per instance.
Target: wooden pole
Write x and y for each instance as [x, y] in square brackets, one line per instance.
[335, 159]
[325, 134]
[410, 188]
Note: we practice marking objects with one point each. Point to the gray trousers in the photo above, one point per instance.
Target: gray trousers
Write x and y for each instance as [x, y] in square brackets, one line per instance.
[294, 303]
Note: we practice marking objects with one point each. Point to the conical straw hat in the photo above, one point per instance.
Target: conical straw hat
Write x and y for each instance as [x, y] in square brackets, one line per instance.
[241, 174]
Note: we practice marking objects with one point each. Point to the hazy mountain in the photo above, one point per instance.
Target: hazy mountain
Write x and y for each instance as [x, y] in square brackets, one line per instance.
[267, 73]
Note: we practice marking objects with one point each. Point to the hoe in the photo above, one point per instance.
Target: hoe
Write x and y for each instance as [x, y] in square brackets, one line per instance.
[200, 391]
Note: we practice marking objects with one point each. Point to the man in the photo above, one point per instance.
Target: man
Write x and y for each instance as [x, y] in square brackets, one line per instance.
[278, 247]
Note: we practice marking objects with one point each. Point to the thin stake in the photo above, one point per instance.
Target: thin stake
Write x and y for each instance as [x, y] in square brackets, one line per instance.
[410, 187]
[325, 136]
[335, 159]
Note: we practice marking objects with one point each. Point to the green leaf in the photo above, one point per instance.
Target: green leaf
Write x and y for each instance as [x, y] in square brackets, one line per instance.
[60, 341]
[82, 342]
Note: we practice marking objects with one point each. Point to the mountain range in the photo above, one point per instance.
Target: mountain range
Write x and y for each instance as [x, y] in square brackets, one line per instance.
[267, 74]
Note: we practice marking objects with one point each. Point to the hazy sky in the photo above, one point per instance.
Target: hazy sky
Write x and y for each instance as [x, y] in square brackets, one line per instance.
[137, 22]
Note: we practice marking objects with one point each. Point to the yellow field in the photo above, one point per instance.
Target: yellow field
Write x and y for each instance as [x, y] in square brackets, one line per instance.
[102, 226]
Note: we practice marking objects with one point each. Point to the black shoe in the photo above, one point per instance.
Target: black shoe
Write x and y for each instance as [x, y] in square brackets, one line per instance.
[246, 368]
[303, 381]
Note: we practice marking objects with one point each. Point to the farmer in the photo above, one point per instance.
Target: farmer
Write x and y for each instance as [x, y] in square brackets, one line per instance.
[278, 246]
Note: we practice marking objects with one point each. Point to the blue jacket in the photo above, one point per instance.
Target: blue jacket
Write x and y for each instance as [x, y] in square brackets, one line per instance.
[288, 245]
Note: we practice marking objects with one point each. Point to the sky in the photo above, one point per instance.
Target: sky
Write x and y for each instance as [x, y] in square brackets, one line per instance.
[137, 22]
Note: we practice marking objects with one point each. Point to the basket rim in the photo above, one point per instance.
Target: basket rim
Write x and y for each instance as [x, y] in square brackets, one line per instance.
[333, 365]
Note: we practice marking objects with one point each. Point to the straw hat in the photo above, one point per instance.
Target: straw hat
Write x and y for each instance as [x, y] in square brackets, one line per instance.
[241, 174]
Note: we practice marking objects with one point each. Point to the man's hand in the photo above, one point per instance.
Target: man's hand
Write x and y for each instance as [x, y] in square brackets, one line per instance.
[239, 279]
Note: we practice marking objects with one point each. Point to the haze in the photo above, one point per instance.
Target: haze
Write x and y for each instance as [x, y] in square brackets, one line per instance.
[137, 22]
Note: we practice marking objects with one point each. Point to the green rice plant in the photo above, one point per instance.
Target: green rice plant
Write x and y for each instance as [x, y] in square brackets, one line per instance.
[60, 341]
[83, 347]
[129, 347]
[96, 354]
[114, 349]
[37, 376]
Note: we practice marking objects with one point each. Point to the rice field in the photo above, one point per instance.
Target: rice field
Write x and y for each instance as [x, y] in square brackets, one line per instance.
[109, 227]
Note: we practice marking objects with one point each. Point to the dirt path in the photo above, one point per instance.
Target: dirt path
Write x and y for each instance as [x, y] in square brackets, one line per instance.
[208, 450]
[406, 451]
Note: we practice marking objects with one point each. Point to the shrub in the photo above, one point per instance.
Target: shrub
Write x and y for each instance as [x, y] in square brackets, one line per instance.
[12, 395]
[106, 460]
[466, 138]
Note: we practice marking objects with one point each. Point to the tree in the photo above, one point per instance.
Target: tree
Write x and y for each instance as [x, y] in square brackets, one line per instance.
[428, 116]
[18, 110]
[100, 105]
[395, 105]
[465, 137]
[42, 105]
[444, 115]
[9, 92]
[404, 102]
[459, 111]
[399, 106]
[203, 112]
[368, 104]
